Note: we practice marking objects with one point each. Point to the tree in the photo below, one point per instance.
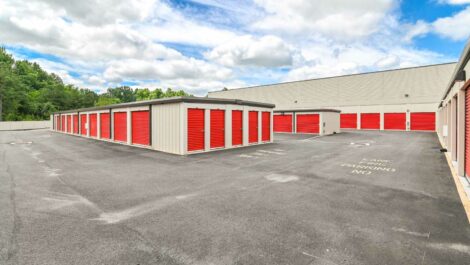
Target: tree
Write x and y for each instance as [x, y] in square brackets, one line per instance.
[105, 100]
[123, 93]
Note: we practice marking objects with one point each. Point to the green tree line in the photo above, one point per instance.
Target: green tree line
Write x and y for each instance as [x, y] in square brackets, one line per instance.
[27, 92]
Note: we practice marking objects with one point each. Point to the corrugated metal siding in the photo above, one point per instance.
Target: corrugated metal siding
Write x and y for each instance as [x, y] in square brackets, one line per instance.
[424, 85]
[166, 128]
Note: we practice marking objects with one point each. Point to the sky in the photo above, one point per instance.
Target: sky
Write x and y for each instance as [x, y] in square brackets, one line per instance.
[206, 45]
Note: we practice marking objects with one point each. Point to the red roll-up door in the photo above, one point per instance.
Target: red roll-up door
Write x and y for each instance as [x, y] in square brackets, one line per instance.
[237, 127]
[62, 123]
[140, 127]
[283, 123]
[423, 121]
[395, 121]
[266, 126]
[308, 123]
[120, 126]
[75, 124]
[252, 127]
[104, 126]
[69, 123]
[348, 120]
[83, 122]
[467, 133]
[217, 128]
[93, 125]
[370, 121]
[196, 132]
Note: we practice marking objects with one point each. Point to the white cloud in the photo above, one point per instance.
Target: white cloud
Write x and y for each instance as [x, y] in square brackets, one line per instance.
[268, 51]
[454, 27]
[164, 70]
[455, 2]
[151, 42]
[339, 19]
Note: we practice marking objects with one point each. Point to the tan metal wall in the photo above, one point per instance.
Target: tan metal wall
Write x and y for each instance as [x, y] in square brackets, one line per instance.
[373, 91]
[167, 128]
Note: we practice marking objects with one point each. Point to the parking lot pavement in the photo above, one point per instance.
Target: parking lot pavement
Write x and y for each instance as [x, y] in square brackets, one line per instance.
[350, 198]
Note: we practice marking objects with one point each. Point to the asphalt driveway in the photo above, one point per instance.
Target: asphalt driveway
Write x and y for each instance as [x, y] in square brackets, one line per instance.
[351, 198]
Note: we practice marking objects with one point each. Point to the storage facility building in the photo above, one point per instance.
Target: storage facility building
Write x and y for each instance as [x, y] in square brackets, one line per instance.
[181, 125]
[404, 99]
[313, 121]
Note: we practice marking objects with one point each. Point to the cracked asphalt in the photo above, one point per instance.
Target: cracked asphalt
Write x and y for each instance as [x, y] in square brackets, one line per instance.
[352, 198]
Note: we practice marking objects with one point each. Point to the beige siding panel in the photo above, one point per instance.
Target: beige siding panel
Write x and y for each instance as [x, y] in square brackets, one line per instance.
[331, 121]
[166, 128]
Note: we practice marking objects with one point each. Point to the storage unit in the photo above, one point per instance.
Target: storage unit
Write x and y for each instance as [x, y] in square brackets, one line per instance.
[467, 135]
[423, 121]
[62, 123]
[348, 120]
[310, 121]
[69, 123]
[93, 125]
[83, 124]
[217, 134]
[140, 127]
[395, 121]
[282, 123]
[120, 126]
[237, 127]
[75, 123]
[370, 121]
[181, 125]
[196, 129]
[266, 126]
[105, 126]
[253, 133]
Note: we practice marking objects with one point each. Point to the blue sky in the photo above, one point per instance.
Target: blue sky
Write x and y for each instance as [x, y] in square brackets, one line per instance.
[204, 45]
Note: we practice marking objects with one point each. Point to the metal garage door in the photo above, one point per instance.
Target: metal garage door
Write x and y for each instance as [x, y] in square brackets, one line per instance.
[56, 125]
[93, 125]
[69, 123]
[62, 123]
[120, 126]
[83, 126]
[308, 123]
[467, 133]
[348, 120]
[253, 127]
[266, 126]
[237, 127]
[75, 124]
[395, 121]
[105, 126]
[217, 128]
[423, 121]
[283, 123]
[140, 127]
[370, 121]
[196, 129]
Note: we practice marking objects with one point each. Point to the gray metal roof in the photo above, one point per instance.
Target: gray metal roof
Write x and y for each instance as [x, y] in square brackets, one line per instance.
[174, 100]
[308, 110]
[417, 85]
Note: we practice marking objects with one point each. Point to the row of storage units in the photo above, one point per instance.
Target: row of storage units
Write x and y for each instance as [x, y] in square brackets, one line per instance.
[454, 119]
[399, 121]
[307, 121]
[181, 125]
